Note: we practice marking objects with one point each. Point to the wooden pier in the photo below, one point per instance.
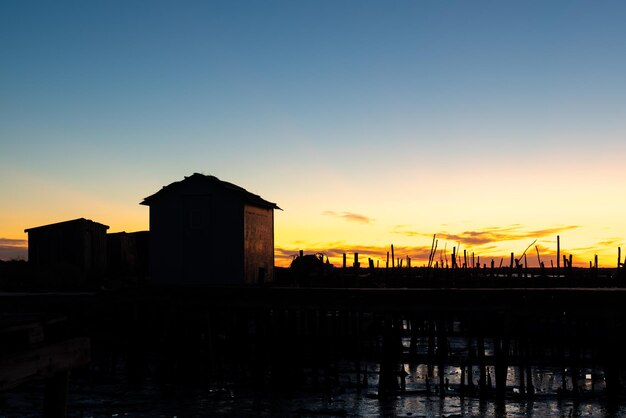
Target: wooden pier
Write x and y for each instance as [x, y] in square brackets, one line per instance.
[36, 347]
[283, 337]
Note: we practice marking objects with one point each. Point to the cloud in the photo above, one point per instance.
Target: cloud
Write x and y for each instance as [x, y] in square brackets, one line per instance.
[611, 242]
[8, 242]
[12, 249]
[349, 216]
[489, 235]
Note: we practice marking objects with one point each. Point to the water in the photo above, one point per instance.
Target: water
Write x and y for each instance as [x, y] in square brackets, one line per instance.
[95, 393]
[116, 398]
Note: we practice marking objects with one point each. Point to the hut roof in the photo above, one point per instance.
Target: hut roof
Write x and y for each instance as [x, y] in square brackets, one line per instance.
[66, 223]
[210, 181]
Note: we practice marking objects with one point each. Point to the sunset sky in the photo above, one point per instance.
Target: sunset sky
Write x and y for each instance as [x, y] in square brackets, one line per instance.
[489, 123]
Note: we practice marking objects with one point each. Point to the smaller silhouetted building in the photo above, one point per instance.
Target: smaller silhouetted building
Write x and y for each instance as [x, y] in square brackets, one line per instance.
[79, 245]
[207, 231]
[127, 254]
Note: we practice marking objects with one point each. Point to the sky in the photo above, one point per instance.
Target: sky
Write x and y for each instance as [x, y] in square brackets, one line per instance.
[494, 125]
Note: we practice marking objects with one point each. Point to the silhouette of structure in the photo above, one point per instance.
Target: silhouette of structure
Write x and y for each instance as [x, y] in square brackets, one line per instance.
[77, 245]
[206, 231]
[127, 254]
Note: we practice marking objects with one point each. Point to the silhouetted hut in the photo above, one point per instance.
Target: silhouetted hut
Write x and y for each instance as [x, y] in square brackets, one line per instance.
[79, 245]
[207, 231]
[127, 254]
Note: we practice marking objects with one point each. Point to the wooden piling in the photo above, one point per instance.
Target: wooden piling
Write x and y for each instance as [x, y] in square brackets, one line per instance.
[453, 257]
[431, 346]
[55, 397]
[463, 378]
[414, 338]
[480, 348]
[392, 342]
[442, 354]
[501, 352]
[522, 382]
[501, 345]
[558, 256]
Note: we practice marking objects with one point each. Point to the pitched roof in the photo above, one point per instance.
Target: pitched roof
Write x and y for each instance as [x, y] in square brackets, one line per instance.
[248, 197]
[73, 221]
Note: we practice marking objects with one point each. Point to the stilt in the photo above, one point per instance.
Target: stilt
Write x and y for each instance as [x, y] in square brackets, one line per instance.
[442, 353]
[414, 337]
[431, 347]
[462, 389]
[522, 383]
[530, 388]
[470, 372]
[501, 347]
[482, 380]
[388, 377]
[55, 398]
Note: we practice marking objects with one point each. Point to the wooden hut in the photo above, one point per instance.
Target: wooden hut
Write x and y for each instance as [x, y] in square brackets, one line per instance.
[206, 231]
[78, 245]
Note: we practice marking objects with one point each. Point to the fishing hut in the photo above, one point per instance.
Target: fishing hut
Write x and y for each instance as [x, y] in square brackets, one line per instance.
[205, 231]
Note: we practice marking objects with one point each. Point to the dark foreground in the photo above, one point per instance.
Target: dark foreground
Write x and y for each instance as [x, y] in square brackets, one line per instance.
[320, 351]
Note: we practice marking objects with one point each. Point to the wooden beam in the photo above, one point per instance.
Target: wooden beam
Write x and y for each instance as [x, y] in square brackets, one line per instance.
[42, 362]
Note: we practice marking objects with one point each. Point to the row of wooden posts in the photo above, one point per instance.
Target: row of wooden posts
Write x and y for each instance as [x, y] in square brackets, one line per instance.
[463, 262]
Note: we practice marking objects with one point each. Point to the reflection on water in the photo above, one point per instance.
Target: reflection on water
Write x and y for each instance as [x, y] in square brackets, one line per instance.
[350, 394]
[119, 399]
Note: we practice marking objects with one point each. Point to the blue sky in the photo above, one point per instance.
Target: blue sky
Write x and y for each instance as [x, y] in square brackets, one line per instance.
[392, 111]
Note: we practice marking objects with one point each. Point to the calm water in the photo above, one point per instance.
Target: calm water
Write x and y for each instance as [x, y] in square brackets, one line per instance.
[118, 399]
[112, 396]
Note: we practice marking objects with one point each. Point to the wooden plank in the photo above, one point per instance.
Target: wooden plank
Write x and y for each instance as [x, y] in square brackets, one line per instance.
[10, 323]
[42, 362]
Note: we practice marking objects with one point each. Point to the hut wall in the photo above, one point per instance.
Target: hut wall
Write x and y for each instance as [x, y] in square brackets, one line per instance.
[258, 243]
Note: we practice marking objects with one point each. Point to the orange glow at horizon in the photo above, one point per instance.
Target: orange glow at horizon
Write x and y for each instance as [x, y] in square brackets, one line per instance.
[419, 255]
[485, 249]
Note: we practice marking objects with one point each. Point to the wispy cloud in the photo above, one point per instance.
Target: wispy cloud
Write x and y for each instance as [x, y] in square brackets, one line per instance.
[8, 242]
[611, 242]
[349, 216]
[11, 249]
[489, 235]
